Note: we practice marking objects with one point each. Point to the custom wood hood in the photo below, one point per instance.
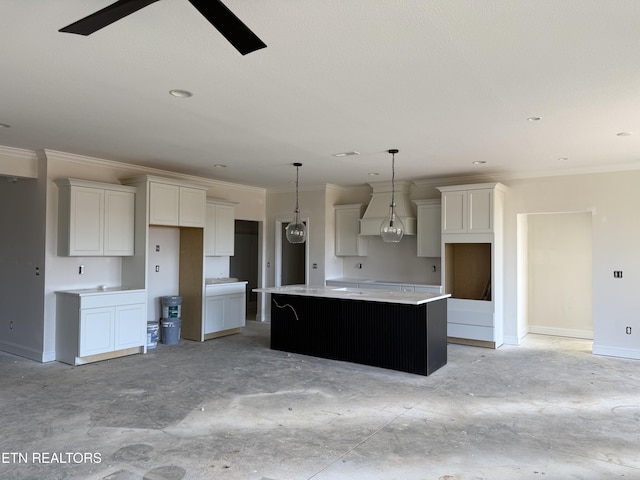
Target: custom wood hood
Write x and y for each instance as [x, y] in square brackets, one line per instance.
[378, 208]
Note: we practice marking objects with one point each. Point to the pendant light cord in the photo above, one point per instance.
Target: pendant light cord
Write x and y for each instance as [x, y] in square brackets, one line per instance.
[393, 182]
[297, 177]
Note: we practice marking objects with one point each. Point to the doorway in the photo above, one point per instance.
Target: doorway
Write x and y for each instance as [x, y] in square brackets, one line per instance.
[291, 258]
[244, 264]
[559, 274]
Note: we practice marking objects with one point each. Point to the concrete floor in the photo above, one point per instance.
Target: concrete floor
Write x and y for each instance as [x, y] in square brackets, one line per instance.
[232, 408]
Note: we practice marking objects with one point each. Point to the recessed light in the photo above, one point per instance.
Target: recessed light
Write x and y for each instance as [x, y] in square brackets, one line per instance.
[373, 174]
[624, 134]
[180, 93]
[219, 165]
[563, 159]
[534, 119]
[345, 154]
[479, 162]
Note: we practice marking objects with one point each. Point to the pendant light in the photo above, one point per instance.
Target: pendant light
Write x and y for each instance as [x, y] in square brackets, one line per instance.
[392, 228]
[296, 230]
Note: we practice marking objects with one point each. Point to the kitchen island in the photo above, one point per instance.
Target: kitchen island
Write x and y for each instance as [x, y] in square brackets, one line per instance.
[405, 331]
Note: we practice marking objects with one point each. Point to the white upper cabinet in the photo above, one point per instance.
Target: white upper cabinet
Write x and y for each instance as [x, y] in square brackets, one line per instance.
[468, 208]
[176, 205]
[349, 243]
[192, 207]
[95, 219]
[119, 217]
[429, 229]
[164, 204]
[219, 231]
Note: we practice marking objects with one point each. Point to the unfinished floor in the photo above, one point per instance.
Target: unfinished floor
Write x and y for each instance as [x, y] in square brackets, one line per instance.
[231, 408]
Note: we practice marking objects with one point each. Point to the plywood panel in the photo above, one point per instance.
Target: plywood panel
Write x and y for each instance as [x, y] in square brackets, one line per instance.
[191, 277]
[468, 270]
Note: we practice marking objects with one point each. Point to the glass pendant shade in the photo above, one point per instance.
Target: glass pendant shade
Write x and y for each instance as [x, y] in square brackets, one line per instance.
[392, 228]
[296, 231]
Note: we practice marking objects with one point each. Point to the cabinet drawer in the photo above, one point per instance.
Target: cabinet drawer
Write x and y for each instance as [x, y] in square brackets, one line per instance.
[470, 312]
[470, 332]
[113, 299]
[428, 289]
[224, 289]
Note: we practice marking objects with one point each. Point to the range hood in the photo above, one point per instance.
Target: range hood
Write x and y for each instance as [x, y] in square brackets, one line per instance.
[378, 208]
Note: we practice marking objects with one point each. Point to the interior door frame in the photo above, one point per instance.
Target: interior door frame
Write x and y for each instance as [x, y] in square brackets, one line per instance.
[278, 253]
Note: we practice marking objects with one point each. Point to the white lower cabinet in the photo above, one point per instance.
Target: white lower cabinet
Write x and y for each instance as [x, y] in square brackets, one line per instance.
[94, 325]
[225, 309]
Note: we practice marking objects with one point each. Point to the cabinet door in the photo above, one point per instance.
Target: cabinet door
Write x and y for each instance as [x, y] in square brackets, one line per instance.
[130, 326]
[429, 230]
[219, 230]
[235, 312]
[214, 314]
[118, 223]
[163, 204]
[454, 212]
[348, 239]
[96, 330]
[86, 221]
[192, 207]
[480, 216]
[225, 229]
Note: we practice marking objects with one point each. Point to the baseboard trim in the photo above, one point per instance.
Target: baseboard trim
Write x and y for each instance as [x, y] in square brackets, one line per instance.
[616, 352]
[561, 332]
[22, 351]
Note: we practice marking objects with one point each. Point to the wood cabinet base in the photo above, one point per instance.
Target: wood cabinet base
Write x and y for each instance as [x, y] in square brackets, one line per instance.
[472, 343]
[108, 355]
[224, 333]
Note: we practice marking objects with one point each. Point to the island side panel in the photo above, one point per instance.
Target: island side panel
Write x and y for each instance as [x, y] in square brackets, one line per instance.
[387, 335]
[436, 335]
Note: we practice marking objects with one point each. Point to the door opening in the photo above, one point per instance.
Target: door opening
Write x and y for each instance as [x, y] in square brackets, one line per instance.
[244, 264]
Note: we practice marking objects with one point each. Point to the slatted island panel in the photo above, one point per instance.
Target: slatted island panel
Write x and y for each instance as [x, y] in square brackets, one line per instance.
[394, 330]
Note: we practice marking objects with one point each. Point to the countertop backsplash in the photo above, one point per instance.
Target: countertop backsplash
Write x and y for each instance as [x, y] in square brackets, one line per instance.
[397, 262]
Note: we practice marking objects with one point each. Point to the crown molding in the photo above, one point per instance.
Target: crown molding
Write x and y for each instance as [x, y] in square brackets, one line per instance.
[142, 170]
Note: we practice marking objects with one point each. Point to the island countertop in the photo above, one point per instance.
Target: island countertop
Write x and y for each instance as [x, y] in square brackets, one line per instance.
[407, 298]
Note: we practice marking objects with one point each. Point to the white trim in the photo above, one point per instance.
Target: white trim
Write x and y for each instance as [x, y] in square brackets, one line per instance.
[15, 162]
[278, 250]
[616, 352]
[25, 352]
[561, 332]
[209, 183]
[509, 340]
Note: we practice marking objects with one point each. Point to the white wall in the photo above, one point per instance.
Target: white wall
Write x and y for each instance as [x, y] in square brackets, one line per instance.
[613, 200]
[560, 286]
[164, 282]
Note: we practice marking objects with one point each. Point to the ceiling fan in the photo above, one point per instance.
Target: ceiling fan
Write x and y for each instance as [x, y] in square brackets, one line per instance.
[230, 26]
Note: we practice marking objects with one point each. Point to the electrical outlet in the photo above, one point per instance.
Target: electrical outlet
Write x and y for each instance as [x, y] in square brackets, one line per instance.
[157, 248]
[157, 268]
[628, 330]
[617, 274]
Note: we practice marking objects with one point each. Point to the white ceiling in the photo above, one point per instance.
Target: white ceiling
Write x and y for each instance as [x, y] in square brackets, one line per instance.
[447, 82]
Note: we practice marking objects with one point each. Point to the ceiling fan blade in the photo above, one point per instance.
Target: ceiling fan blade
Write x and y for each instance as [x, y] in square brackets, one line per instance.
[230, 26]
[106, 16]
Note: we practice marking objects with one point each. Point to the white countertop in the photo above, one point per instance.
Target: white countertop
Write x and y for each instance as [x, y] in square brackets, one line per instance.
[408, 298]
[381, 282]
[101, 291]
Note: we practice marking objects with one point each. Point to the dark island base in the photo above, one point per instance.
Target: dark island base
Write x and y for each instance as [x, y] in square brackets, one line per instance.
[408, 338]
